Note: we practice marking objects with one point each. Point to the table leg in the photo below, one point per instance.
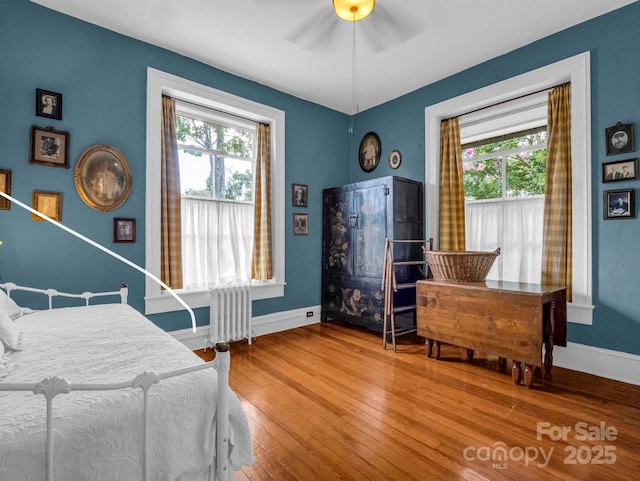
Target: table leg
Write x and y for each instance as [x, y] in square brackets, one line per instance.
[502, 363]
[516, 372]
[548, 339]
[528, 375]
[428, 346]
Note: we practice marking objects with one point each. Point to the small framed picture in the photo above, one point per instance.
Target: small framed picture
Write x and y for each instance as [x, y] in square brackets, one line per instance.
[5, 186]
[620, 170]
[49, 147]
[299, 195]
[48, 104]
[394, 159]
[620, 139]
[48, 203]
[124, 230]
[619, 204]
[369, 151]
[300, 224]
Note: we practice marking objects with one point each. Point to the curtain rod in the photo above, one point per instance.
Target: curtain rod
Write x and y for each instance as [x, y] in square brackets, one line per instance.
[547, 89]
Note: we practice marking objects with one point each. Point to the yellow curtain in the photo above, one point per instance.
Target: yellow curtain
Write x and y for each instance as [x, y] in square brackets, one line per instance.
[261, 261]
[452, 233]
[170, 223]
[557, 231]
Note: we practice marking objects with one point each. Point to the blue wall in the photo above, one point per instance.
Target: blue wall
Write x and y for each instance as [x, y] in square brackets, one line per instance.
[614, 42]
[102, 76]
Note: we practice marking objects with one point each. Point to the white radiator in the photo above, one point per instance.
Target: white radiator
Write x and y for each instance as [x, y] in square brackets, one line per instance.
[230, 314]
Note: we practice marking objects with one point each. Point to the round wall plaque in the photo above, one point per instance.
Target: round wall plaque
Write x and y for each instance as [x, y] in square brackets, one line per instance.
[394, 159]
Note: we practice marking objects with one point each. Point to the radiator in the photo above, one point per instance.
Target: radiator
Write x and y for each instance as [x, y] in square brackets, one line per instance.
[230, 314]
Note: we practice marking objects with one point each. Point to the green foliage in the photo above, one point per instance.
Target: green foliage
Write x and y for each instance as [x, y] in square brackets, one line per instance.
[240, 186]
[213, 137]
[216, 140]
[525, 171]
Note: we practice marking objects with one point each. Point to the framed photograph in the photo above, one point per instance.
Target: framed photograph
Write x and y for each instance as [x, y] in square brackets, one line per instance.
[102, 177]
[48, 203]
[620, 204]
[5, 186]
[369, 152]
[300, 224]
[49, 147]
[124, 230]
[620, 139]
[299, 194]
[48, 104]
[394, 159]
[620, 170]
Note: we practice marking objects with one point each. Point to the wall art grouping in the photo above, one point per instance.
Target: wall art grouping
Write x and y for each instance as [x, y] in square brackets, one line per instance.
[620, 203]
[102, 175]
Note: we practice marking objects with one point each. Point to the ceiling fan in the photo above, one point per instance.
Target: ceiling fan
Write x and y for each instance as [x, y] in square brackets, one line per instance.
[381, 24]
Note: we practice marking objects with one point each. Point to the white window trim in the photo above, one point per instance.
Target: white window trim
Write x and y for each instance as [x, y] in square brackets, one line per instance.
[159, 83]
[577, 71]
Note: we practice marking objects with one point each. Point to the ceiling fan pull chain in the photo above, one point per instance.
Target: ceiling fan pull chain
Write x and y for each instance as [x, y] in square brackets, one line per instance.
[354, 73]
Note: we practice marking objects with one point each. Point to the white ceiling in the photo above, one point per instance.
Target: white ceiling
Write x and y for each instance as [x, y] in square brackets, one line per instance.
[300, 47]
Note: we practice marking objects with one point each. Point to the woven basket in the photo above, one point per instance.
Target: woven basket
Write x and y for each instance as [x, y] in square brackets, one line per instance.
[460, 266]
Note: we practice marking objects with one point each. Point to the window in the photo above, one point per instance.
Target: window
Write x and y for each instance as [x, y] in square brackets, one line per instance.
[217, 156]
[504, 183]
[575, 70]
[228, 185]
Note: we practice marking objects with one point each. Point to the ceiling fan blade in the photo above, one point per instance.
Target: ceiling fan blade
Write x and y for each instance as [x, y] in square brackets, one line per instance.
[386, 28]
[315, 32]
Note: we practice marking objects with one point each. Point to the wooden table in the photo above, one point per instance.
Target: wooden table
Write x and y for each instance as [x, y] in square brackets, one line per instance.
[508, 319]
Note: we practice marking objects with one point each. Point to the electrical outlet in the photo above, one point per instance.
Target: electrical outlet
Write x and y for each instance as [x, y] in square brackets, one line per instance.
[309, 313]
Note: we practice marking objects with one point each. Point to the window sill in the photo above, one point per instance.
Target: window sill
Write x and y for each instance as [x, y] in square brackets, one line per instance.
[580, 313]
[164, 302]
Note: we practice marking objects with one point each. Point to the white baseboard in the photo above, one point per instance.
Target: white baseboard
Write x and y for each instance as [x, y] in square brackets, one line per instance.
[261, 325]
[619, 366]
[616, 365]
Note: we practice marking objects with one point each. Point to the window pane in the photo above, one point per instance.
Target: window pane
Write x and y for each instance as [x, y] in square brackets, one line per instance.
[483, 179]
[209, 136]
[199, 172]
[195, 173]
[525, 169]
[216, 161]
[526, 173]
[238, 179]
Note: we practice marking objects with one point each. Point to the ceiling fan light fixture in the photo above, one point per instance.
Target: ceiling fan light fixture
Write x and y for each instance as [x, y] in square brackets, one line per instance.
[353, 10]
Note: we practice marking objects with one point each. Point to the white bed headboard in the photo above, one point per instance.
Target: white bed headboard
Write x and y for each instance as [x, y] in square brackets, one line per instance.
[51, 293]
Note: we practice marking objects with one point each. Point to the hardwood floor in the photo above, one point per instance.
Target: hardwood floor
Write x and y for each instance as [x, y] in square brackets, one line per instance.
[326, 402]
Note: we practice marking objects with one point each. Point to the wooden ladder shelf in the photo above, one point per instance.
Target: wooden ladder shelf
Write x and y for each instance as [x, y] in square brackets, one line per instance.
[390, 286]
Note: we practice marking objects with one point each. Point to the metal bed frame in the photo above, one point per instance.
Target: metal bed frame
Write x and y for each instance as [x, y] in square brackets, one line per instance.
[51, 387]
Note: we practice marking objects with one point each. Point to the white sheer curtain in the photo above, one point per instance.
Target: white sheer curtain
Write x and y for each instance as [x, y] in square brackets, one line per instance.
[217, 239]
[515, 226]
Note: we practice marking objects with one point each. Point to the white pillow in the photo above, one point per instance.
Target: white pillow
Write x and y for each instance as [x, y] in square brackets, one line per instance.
[9, 334]
[9, 306]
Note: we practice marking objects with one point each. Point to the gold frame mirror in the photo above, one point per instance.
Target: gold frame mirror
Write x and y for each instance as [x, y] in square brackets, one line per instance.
[103, 178]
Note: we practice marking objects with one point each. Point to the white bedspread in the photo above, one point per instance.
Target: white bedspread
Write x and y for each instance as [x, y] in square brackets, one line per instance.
[98, 435]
